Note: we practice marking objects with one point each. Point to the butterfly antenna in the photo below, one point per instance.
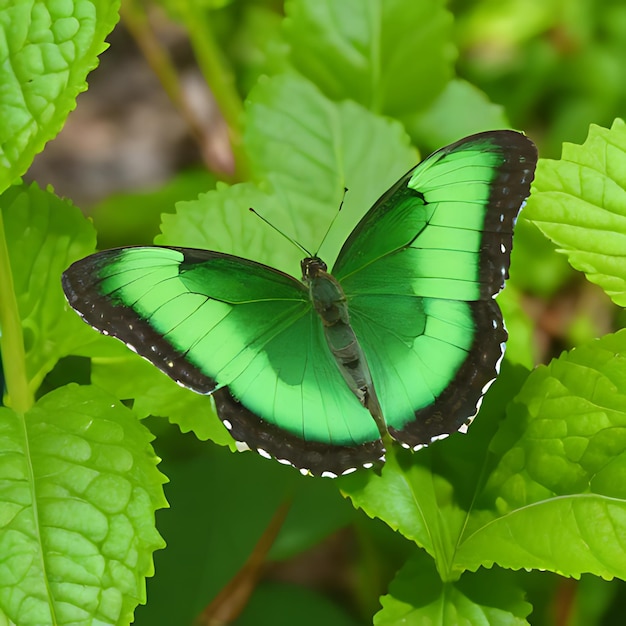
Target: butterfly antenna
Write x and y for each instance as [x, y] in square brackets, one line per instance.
[280, 232]
[330, 226]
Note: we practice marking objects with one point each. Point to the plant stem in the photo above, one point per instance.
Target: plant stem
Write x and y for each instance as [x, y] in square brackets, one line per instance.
[233, 597]
[19, 396]
[219, 78]
[159, 60]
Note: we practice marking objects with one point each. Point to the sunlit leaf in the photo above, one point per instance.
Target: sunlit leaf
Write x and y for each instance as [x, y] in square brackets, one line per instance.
[303, 164]
[579, 202]
[79, 487]
[417, 596]
[391, 56]
[44, 236]
[48, 50]
[558, 490]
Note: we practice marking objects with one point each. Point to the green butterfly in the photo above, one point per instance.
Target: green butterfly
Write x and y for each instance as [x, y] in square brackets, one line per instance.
[403, 337]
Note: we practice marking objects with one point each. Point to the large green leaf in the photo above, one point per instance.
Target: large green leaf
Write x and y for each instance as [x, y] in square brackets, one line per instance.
[558, 490]
[44, 235]
[128, 376]
[48, 48]
[461, 109]
[427, 496]
[79, 487]
[391, 56]
[580, 203]
[304, 162]
[311, 158]
[418, 596]
[547, 492]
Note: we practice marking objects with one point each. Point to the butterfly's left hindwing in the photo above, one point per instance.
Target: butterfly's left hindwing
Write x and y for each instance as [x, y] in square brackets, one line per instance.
[218, 323]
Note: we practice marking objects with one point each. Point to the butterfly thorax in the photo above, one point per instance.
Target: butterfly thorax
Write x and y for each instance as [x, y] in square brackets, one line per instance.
[326, 293]
[331, 305]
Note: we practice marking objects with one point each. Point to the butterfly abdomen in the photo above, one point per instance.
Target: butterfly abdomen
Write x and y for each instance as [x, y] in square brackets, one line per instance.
[331, 306]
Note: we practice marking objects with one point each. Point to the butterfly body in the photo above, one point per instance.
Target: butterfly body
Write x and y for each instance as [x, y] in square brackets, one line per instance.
[403, 336]
[329, 301]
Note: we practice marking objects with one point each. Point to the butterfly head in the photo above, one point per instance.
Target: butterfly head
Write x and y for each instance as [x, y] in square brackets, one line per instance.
[312, 266]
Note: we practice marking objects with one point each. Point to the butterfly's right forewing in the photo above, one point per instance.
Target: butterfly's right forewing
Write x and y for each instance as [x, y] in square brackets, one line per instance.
[420, 272]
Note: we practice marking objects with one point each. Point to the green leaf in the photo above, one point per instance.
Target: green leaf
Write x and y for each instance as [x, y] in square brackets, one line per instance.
[580, 203]
[215, 540]
[427, 496]
[405, 496]
[44, 236]
[79, 488]
[461, 109]
[312, 157]
[303, 164]
[128, 376]
[417, 596]
[283, 604]
[220, 220]
[133, 218]
[558, 491]
[547, 492]
[391, 56]
[48, 50]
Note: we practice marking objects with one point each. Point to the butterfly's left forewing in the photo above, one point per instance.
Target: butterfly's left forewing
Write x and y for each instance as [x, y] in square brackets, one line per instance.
[420, 272]
[155, 300]
[240, 330]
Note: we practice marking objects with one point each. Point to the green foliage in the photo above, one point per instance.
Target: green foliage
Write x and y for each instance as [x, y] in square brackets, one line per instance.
[48, 50]
[460, 109]
[537, 483]
[392, 57]
[78, 483]
[221, 529]
[134, 218]
[44, 234]
[562, 64]
[417, 595]
[585, 191]
[130, 377]
[299, 188]
[562, 455]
